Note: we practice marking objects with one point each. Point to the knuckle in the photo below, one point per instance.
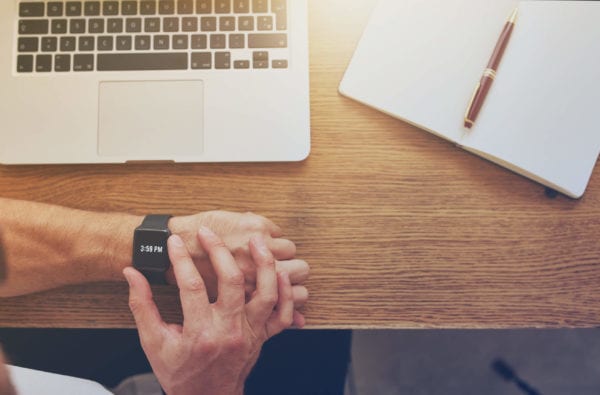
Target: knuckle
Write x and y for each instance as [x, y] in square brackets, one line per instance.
[195, 285]
[236, 278]
[135, 305]
[235, 341]
[270, 299]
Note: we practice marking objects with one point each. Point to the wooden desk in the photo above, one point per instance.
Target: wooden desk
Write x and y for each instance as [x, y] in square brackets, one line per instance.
[402, 229]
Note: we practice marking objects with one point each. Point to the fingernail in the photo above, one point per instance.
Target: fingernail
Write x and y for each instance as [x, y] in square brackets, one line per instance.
[176, 240]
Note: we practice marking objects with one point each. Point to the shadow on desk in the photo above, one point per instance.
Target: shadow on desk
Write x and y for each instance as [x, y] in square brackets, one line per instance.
[295, 362]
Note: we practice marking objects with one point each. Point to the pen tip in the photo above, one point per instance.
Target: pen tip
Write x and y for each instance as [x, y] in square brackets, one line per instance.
[468, 124]
[513, 16]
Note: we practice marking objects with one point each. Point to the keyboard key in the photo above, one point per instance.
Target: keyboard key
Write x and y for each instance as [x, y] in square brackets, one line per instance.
[114, 25]
[217, 41]
[110, 8]
[67, 44]
[86, 43]
[222, 60]
[49, 44]
[265, 40]
[222, 6]
[59, 26]
[148, 7]
[28, 44]
[260, 64]
[199, 41]
[170, 25]
[203, 6]
[185, 7]
[280, 64]
[246, 23]
[279, 8]
[208, 24]
[25, 63]
[237, 41]
[152, 25]
[142, 43]
[260, 55]
[129, 8]
[241, 64]
[227, 23]
[265, 23]
[33, 26]
[161, 42]
[91, 8]
[43, 63]
[96, 26]
[166, 7]
[28, 10]
[260, 6]
[133, 25]
[124, 43]
[189, 24]
[241, 6]
[142, 61]
[260, 59]
[83, 62]
[105, 43]
[62, 63]
[180, 41]
[77, 26]
[55, 9]
[201, 60]
[73, 8]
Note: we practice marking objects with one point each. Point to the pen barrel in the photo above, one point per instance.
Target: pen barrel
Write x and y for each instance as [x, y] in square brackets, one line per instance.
[478, 99]
[496, 58]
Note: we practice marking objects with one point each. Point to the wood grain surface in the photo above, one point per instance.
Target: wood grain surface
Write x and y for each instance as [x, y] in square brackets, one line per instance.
[402, 229]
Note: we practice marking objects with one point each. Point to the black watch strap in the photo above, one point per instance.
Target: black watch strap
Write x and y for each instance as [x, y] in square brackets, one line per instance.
[156, 221]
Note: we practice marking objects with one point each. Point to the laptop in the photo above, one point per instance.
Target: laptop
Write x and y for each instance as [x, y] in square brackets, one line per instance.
[153, 80]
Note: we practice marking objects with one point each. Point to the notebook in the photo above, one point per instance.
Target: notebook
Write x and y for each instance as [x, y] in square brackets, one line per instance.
[541, 118]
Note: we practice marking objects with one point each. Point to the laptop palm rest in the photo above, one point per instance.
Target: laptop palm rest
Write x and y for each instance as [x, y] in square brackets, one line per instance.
[151, 120]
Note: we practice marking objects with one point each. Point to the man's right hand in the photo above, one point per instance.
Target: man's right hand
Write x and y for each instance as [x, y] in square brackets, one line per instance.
[218, 343]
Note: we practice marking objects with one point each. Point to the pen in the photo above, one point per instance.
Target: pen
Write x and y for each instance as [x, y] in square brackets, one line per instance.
[489, 75]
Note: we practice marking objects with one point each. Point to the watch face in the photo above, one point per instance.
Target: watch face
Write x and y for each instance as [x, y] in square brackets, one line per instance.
[150, 249]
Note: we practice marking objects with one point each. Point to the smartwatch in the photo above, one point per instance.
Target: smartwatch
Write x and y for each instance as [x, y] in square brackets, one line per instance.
[150, 255]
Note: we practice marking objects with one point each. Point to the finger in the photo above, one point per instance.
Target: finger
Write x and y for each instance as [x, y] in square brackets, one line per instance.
[147, 318]
[282, 248]
[230, 279]
[192, 291]
[260, 307]
[299, 320]
[299, 295]
[284, 316]
[274, 229]
[296, 268]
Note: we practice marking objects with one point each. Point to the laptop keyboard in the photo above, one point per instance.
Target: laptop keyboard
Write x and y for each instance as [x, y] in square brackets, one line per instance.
[86, 36]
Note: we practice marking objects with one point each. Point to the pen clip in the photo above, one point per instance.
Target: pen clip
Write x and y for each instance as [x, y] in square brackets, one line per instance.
[470, 106]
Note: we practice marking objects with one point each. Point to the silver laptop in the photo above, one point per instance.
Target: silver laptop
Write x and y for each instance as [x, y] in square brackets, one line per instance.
[153, 80]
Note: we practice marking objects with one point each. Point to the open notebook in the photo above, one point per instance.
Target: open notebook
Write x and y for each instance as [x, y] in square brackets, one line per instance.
[420, 61]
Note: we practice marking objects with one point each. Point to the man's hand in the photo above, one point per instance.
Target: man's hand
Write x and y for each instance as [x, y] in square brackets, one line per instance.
[215, 349]
[6, 387]
[236, 230]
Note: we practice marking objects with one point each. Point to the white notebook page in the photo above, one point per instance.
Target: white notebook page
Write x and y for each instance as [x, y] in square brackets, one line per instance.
[542, 116]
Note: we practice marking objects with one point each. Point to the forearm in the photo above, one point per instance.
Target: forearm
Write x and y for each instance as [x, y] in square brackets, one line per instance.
[48, 246]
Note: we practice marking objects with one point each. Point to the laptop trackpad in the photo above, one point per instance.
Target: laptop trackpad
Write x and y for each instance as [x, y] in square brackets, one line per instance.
[151, 120]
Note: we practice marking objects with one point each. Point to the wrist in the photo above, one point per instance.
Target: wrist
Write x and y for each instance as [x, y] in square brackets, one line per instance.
[107, 244]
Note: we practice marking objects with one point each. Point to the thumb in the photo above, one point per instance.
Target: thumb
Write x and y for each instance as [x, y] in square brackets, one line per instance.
[141, 303]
